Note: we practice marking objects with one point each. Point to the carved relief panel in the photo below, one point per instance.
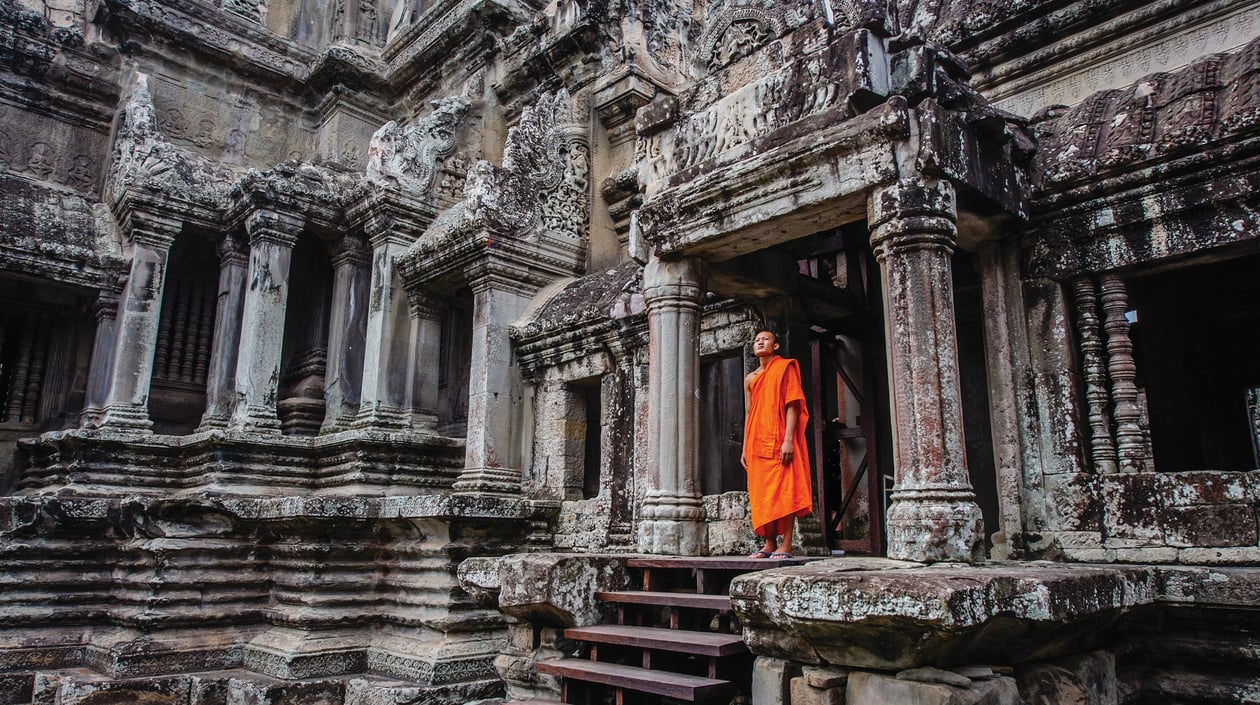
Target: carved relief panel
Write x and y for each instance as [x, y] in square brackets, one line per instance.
[224, 124]
[50, 151]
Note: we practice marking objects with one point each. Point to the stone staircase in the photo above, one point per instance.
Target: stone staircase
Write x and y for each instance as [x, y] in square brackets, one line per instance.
[675, 639]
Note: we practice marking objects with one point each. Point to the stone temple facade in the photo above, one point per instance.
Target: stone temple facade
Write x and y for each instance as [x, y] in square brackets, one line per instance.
[349, 346]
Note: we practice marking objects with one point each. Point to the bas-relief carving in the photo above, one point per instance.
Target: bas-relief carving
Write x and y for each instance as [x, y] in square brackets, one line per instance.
[255, 10]
[49, 151]
[1110, 71]
[1162, 113]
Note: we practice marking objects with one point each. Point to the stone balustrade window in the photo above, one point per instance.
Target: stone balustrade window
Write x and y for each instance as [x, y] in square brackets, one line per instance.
[185, 334]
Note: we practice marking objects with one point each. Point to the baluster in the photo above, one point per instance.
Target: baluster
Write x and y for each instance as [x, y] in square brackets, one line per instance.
[161, 354]
[34, 379]
[1102, 447]
[192, 303]
[178, 341]
[13, 410]
[205, 329]
[1130, 442]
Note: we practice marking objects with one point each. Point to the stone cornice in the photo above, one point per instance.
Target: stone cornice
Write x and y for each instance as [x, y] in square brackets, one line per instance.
[446, 27]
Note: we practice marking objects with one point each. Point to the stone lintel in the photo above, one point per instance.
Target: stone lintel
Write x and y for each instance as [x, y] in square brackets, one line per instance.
[892, 615]
[775, 188]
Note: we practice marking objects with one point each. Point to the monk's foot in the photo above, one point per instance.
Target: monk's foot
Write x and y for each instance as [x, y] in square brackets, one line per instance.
[761, 554]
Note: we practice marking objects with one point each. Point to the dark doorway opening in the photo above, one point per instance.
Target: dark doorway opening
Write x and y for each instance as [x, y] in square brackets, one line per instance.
[973, 382]
[177, 393]
[1195, 333]
[722, 425]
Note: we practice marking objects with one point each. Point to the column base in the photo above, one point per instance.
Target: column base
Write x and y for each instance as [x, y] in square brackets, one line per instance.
[488, 481]
[256, 419]
[212, 423]
[673, 526]
[382, 416]
[134, 419]
[931, 526]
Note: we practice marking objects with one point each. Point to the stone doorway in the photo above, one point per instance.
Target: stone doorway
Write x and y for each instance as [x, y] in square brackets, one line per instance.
[823, 294]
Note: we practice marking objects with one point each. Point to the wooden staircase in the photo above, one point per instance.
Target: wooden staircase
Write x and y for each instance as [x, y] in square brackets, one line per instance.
[675, 640]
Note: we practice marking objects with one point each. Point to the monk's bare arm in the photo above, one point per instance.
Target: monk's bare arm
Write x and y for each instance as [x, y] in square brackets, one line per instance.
[791, 415]
[743, 448]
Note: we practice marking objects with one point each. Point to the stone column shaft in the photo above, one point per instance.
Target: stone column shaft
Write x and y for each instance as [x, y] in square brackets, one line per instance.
[492, 460]
[934, 515]
[272, 236]
[104, 346]
[225, 347]
[384, 388]
[347, 334]
[672, 519]
[422, 362]
[139, 312]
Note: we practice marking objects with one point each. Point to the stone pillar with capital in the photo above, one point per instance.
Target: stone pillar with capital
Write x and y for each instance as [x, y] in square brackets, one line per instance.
[934, 515]
[136, 332]
[422, 360]
[672, 518]
[347, 332]
[272, 235]
[101, 369]
[496, 419]
[221, 373]
[384, 389]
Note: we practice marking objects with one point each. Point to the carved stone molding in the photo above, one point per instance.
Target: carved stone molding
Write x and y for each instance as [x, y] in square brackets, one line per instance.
[411, 156]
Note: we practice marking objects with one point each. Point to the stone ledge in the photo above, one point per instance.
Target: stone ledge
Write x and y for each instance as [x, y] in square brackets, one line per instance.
[892, 615]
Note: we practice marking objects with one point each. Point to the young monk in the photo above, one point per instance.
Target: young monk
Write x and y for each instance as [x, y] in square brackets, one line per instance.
[774, 453]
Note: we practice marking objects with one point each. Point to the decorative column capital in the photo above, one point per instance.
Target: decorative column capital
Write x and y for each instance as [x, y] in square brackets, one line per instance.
[233, 250]
[426, 305]
[273, 226]
[349, 250]
[674, 282]
[913, 215]
[151, 230]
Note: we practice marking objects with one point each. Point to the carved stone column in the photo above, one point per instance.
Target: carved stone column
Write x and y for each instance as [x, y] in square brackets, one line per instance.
[1130, 436]
[347, 333]
[422, 360]
[492, 460]
[225, 348]
[934, 515]
[101, 369]
[672, 518]
[127, 404]
[387, 338]
[272, 236]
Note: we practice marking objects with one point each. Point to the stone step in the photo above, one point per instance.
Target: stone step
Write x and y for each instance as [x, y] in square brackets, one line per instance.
[675, 640]
[672, 685]
[718, 603]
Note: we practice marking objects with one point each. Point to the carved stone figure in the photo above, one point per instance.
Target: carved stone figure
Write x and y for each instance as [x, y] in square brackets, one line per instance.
[409, 156]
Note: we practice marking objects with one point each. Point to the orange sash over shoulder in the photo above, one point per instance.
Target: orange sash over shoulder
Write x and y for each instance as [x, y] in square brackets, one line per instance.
[776, 490]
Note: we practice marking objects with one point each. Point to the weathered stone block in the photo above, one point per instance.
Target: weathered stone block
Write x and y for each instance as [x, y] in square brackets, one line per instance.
[1210, 525]
[1072, 502]
[806, 693]
[554, 589]
[1133, 503]
[867, 688]
[1089, 679]
[771, 680]
[826, 677]
[908, 616]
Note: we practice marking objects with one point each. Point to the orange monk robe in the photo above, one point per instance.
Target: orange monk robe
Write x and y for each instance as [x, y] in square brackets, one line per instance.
[775, 490]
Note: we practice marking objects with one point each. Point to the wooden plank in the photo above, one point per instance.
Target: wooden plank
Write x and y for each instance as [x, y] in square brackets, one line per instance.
[719, 603]
[740, 563]
[673, 685]
[675, 640]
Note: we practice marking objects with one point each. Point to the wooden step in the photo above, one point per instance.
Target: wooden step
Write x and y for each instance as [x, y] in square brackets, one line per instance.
[675, 640]
[741, 563]
[671, 685]
[718, 603]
